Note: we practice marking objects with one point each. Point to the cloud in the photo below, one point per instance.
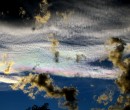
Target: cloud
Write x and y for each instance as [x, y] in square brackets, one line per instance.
[43, 82]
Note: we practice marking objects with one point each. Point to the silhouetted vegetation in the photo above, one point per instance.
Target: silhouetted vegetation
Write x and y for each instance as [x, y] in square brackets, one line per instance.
[57, 56]
[123, 81]
[45, 106]
[43, 82]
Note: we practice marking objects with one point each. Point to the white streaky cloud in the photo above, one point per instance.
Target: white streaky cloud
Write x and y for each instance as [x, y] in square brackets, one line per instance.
[9, 79]
[83, 32]
[39, 58]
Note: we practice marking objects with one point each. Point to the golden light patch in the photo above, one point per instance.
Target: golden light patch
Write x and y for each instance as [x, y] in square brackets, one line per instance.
[9, 66]
[43, 19]
[54, 44]
[6, 63]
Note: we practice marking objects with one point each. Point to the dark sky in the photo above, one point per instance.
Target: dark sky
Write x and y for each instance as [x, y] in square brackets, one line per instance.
[10, 9]
[17, 100]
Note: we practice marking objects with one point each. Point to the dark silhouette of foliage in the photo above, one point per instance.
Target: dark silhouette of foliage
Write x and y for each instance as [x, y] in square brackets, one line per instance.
[45, 106]
[127, 107]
